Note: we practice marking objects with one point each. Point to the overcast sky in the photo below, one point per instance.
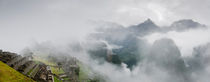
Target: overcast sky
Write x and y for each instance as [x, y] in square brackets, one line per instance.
[23, 22]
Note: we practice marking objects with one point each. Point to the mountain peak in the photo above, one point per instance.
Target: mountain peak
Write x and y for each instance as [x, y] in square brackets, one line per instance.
[186, 23]
[147, 24]
[148, 21]
[144, 27]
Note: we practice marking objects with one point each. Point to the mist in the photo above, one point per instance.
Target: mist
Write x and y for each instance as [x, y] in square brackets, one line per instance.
[186, 40]
[96, 31]
[54, 20]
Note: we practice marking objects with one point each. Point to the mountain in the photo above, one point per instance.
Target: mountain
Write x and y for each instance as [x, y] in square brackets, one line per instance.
[166, 55]
[165, 48]
[200, 59]
[185, 24]
[146, 27]
[128, 38]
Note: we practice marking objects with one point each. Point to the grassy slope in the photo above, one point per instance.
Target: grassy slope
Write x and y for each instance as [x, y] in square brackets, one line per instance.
[56, 79]
[44, 60]
[83, 73]
[8, 74]
[57, 71]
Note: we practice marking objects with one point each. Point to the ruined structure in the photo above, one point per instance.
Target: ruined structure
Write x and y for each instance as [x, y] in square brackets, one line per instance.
[24, 65]
[42, 74]
[72, 69]
[39, 71]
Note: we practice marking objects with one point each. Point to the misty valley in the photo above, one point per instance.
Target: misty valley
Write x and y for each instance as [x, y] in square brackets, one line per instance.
[104, 41]
[114, 53]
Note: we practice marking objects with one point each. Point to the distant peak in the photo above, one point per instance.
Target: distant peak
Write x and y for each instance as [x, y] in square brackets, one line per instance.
[145, 26]
[187, 23]
[148, 21]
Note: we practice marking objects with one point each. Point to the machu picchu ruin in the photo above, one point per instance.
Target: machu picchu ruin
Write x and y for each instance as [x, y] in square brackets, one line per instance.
[41, 71]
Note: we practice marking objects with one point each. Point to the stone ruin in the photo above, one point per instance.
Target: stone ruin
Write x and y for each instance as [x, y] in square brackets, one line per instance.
[24, 65]
[42, 74]
[72, 69]
[7, 56]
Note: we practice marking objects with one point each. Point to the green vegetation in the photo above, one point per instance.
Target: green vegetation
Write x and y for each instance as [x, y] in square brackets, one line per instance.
[57, 71]
[37, 62]
[56, 80]
[8, 74]
[45, 61]
[66, 78]
[52, 65]
[30, 72]
[83, 73]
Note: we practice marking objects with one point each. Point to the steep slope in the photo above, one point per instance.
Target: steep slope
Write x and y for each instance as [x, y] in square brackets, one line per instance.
[166, 55]
[8, 74]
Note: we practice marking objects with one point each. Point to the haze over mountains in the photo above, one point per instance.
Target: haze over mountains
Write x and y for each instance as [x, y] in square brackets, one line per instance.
[129, 46]
[117, 40]
[127, 38]
[115, 53]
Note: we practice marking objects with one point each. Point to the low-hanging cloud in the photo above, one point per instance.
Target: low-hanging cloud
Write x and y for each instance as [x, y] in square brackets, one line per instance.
[159, 65]
[43, 20]
[185, 40]
[51, 25]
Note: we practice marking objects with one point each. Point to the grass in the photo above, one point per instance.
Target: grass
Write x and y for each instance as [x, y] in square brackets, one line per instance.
[37, 62]
[8, 74]
[57, 71]
[45, 61]
[30, 72]
[57, 80]
[83, 73]
[66, 78]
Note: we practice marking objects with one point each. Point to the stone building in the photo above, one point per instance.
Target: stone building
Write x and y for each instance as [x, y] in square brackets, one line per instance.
[24, 65]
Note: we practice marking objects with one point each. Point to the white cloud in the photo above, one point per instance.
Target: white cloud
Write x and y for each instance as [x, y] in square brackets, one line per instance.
[42, 20]
[186, 40]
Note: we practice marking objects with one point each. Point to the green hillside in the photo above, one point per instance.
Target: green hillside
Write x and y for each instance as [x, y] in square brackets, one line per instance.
[8, 74]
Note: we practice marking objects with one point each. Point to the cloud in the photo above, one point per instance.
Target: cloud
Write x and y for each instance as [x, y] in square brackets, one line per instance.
[55, 23]
[43, 20]
[160, 69]
[186, 40]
